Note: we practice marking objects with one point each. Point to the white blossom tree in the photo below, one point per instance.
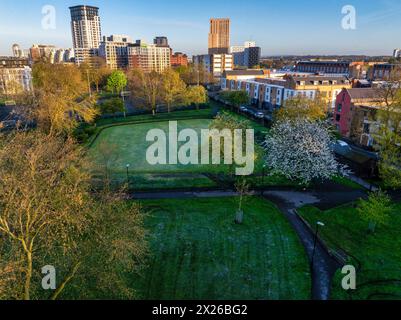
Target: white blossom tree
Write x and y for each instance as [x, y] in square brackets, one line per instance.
[300, 150]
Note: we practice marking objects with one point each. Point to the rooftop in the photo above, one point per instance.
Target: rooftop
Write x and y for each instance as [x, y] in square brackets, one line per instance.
[320, 78]
[324, 62]
[83, 6]
[254, 72]
[366, 94]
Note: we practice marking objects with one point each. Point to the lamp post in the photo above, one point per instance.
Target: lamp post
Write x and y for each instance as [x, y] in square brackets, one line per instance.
[89, 83]
[318, 224]
[128, 166]
[263, 178]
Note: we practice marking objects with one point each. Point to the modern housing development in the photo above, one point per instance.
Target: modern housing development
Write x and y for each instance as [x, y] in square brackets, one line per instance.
[271, 91]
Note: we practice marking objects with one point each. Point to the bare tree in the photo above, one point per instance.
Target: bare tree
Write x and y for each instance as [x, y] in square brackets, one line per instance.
[49, 214]
[146, 88]
[42, 197]
[107, 155]
[242, 188]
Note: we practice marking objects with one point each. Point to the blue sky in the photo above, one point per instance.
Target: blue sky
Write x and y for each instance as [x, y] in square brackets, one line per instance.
[278, 26]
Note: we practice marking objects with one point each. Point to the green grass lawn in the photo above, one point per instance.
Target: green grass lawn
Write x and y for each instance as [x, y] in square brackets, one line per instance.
[130, 146]
[130, 143]
[347, 182]
[378, 255]
[197, 252]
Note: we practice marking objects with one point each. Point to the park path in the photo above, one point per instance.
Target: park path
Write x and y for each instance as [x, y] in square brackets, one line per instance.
[324, 266]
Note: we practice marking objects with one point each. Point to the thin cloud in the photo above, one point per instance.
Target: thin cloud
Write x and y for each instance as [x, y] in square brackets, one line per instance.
[391, 11]
[167, 23]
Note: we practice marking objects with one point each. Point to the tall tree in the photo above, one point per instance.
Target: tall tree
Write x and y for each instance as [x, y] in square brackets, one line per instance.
[117, 81]
[43, 199]
[195, 75]
[61, 98]
[376, 209]
[196, 95]
[388, 136]
[173, 88]
[145, 88]
[236, 98]
[95, 73]
[99, 73]
[116, 239]
[49, 216]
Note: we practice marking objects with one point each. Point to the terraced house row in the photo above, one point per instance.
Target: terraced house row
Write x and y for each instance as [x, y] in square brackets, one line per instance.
[269, 91]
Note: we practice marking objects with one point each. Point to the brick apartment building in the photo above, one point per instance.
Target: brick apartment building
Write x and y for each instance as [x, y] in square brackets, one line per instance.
[355, 115]
[179, 59]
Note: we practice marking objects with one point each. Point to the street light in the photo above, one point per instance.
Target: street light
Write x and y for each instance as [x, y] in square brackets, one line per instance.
[318, 224]
[263, 177]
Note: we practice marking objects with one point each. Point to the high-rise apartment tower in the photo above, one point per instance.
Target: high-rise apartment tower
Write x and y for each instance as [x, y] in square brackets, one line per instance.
[219, 36]
[86, 31]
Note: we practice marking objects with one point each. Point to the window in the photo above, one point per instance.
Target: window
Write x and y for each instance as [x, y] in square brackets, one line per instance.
[267, 95]
[339, 107]
[338, 117]
[366, 128]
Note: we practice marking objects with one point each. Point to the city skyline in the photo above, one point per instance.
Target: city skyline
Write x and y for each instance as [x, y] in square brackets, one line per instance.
[276, 27]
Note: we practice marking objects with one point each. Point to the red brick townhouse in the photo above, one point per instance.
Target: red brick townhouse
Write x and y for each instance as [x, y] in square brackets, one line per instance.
[355, 114]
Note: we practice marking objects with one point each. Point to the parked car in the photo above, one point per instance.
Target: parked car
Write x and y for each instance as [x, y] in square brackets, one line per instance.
[268, 117]
[259, 114]
[243, 109]
[342, 143]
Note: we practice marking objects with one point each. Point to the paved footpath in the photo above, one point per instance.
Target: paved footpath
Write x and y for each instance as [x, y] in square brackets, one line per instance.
[325, 265]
